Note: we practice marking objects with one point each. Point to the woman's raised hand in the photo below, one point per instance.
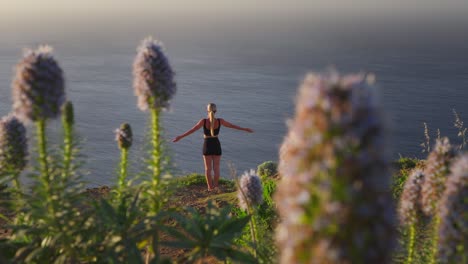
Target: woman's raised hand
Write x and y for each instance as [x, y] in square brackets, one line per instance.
[176, 139]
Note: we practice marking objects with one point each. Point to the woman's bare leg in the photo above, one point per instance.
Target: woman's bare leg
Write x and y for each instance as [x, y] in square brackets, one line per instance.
[216, 162]
[208, 167]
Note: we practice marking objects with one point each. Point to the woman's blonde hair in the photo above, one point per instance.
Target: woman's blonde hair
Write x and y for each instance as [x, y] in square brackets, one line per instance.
[211, 108]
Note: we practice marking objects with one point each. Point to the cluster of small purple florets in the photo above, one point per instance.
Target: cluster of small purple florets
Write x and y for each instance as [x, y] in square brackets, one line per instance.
[13, 144]
[333, 196]
[436, 172]
[38, 86]
[250, 193]
[153, 77]
[453, 230]
[410, 201]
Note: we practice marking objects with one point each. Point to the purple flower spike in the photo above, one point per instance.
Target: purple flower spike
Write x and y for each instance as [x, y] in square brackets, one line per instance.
[13, 144]
[38, 86]
[410, 206]
[250, 193]
[436, 172]
[453, 230]
[333, 196]
[153, 77]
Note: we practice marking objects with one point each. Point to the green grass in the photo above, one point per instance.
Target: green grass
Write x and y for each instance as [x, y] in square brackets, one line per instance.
[199, 179]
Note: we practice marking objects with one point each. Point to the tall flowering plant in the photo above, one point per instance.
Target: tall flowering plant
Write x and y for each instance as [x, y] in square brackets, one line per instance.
[436, 172]
[453, 210]
[250, 195]
[333, 197]
[38, 94]
[410, 208]
[154, 86]
[124, 138]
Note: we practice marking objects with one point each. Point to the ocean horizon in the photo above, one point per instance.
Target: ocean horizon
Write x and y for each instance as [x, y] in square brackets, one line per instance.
[252, 72]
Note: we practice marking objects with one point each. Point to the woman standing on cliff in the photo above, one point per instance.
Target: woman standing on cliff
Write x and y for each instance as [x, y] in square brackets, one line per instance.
[211, 146]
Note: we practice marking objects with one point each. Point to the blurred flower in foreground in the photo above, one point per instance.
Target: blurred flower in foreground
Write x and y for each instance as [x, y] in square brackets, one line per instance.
[123, 136]
[333, 197]
[13, 144]
[38, 86]
[250, 191]
[453, 230]
[410, 198]
[153, 77]
[436, 172]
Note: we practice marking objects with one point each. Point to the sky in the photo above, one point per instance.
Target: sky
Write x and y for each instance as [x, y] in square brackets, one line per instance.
[13, 8]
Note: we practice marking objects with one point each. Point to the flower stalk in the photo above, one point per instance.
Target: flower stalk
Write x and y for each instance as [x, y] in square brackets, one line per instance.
[42, 149]
[124, 138]
[411, 243]
[67, 124]
[156, 151]
[410, 209]
[154, 86]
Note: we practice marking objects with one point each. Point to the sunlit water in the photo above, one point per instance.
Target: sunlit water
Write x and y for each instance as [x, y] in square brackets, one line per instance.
[251, 71]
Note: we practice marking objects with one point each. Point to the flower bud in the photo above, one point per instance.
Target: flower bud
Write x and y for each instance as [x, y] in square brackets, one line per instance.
[123, 136]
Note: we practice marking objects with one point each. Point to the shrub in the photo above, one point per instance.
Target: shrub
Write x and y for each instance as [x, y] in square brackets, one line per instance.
[267, 169]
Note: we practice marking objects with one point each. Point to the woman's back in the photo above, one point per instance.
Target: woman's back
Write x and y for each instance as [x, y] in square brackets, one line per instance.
[206, 130]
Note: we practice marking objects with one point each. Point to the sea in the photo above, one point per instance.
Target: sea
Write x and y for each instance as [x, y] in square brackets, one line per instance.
[251, 68]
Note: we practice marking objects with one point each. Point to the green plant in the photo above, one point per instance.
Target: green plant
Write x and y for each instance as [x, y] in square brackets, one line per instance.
[267, 169]
[410, 211]
[116, 232]
[210, 234]
[47, 226]
[124, 138]
[436, 171]
[153, 83]
[68, 120]
[403, 165]
[250, 195]
[13, 150]
[453, 214]
[269, 188]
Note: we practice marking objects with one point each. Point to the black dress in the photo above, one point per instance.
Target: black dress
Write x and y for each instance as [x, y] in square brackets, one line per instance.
[211, 145]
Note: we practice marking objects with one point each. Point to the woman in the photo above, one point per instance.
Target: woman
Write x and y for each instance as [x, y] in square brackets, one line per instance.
[211, 146]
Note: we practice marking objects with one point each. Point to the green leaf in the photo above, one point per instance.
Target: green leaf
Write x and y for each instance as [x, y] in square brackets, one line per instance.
[175, 233]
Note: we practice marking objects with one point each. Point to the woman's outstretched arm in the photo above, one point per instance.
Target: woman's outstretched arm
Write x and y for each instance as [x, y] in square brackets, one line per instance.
[227, 124]
[190, 131]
